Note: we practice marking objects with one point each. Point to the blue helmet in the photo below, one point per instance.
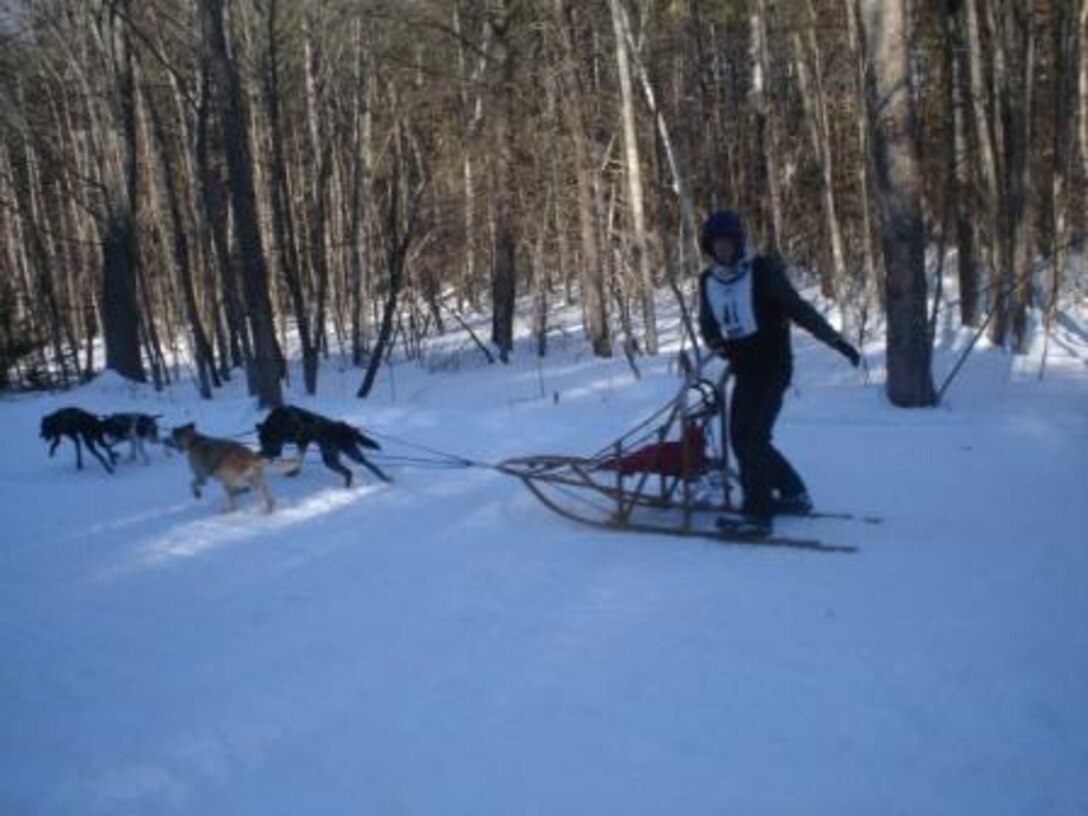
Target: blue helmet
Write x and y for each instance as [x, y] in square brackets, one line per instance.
[722, 224]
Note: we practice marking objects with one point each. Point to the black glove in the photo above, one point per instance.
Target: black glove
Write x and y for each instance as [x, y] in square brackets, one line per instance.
[848, 351]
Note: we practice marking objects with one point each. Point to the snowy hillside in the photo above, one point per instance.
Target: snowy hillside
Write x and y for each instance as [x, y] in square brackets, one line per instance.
[446, 645]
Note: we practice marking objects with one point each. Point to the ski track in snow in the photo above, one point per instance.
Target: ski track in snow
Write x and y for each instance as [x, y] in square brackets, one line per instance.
[446, 645]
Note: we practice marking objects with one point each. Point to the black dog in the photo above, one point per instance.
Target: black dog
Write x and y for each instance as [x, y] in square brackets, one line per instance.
[136, 428]
[301, 427]
[77, 424]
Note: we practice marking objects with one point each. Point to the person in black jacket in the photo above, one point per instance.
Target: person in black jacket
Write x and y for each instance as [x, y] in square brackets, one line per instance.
[746, 305]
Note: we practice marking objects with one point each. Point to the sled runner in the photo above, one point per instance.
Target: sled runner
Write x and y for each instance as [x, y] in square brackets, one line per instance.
[669, 475]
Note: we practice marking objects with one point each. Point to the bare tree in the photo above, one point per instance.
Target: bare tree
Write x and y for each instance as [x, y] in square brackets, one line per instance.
[402, 223]
[633, 167]
[765, 150]
[120, 245]
[898, 181]
[594, 303]
[264, 374]
[504, 255]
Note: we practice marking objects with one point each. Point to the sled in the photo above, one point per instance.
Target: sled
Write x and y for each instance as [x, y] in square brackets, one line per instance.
[669, 475]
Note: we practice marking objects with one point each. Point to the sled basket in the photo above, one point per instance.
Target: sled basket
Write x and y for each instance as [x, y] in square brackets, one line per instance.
[669, 474]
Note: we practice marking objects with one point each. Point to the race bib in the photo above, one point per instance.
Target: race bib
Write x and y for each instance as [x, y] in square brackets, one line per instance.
[729, 293]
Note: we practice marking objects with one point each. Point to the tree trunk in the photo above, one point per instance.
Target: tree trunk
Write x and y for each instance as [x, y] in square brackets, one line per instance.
[156, 313]
[1082, 93]
[540, 286]
[283, 222]
[898, 180]
[398, 240]
[232, 335]
[472, 112]
[869, 261]
[689, 231]
[594, 299]
[321, 152]
[182, 257]
[37, 267]
[1065, 68]
[504, 271]
[633, 165]
[120, 246]
[266, 363]
[987, 168]
[1011, 29]
[833, 268]
[958, 166]
[1002, 129]
[764, 190]
[358, 246]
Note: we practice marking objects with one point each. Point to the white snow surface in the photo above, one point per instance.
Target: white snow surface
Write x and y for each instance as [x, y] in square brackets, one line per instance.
[447, 645]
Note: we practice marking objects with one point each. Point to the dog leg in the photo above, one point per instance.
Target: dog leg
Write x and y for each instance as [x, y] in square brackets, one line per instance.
[357, 455]
[232, 503]
[53, 447]
[300, 450]
[376, 471]
[332, 462]
[258, 483]
[195, 486]
[79, 452]
[97, 455]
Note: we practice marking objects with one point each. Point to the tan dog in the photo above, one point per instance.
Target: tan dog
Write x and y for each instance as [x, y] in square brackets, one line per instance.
[232, 463]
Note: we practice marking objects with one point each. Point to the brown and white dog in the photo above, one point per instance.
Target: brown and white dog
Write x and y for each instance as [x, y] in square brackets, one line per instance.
[232, 463]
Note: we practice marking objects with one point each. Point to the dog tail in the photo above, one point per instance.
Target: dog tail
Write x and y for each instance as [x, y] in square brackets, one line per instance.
[287, 466]
[365, 440]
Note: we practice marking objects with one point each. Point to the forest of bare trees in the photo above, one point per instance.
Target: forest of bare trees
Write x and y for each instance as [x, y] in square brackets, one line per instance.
[228, 181]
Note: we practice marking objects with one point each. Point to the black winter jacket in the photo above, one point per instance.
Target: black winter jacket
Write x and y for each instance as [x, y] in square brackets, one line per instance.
[767, 352]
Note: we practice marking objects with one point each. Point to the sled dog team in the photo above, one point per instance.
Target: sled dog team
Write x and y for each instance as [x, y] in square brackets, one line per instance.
[746, 307]
[234, 465]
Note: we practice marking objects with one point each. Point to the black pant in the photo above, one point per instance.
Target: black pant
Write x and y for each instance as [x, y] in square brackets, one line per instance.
[756, 403]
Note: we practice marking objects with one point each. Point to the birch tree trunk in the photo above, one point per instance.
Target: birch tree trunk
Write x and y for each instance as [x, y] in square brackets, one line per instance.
[472, 114]
[633, 165]
[360, 163]
[764, 150]
[681, 186]
[321, 153]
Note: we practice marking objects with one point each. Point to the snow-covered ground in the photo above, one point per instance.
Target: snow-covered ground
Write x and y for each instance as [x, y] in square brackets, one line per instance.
[446, 645]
